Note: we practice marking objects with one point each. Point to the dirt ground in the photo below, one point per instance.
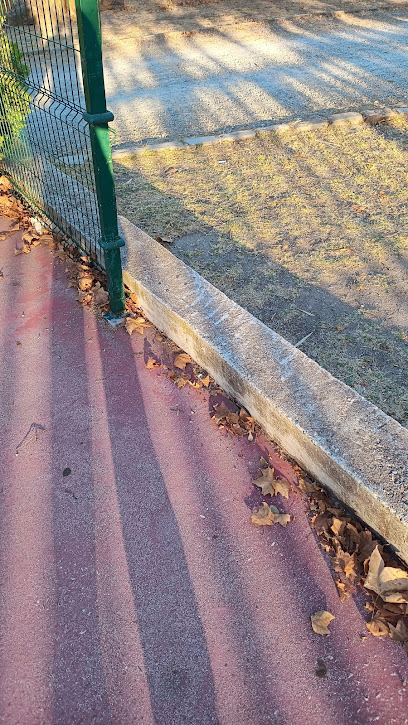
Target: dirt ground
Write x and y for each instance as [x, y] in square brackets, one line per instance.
[308, 232]
[169, 16]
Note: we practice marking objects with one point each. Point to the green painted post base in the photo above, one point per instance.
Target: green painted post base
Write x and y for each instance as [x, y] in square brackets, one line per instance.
[113, 268]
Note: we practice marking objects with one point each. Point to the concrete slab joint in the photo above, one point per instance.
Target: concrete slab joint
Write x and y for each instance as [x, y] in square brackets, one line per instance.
[345, 442]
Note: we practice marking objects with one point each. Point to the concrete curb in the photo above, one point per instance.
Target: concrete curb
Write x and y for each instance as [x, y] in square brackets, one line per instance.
[345, 442]
[368, 116]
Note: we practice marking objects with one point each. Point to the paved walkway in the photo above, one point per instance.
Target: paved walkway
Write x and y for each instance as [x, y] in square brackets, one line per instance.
[135, 589]
[209, 81]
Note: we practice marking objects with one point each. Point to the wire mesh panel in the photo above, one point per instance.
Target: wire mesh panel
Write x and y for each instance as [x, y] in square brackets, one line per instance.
[45, 144]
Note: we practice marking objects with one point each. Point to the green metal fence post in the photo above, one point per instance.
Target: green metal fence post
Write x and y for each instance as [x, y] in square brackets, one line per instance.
[90, 42]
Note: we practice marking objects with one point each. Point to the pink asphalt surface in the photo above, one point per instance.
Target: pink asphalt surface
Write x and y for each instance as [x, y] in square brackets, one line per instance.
[135, 589]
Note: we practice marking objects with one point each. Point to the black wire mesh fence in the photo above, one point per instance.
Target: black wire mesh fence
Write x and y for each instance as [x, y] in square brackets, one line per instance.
[45, 145]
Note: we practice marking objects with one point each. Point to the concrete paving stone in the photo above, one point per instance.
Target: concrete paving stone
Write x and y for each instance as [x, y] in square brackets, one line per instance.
[127, 151]
[303, 126]
[320, 124]
[131, 149]
[263, 129]
[344, 119]
[164, 146]
[309, 125]
[281, 127]
[200, 140]
[237, 135]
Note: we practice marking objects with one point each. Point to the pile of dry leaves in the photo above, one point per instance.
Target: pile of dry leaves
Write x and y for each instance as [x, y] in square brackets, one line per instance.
[83, 275]
[237, 421]
[178, 365]
[357, 559]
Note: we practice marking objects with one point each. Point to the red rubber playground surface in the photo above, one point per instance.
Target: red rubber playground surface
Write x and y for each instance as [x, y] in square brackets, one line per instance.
[135, 589]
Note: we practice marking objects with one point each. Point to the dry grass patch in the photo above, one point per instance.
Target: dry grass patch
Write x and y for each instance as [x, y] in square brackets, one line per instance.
[309, 232]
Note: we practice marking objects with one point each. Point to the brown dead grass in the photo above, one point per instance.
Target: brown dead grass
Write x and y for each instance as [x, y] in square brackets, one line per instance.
[309, 232]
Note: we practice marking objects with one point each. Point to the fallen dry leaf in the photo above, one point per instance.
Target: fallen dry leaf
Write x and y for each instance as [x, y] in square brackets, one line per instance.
[270, 485]
[377, 627]
[5, 235]
[282, 519]
[264, 516]
[367, 545]
[29, 236]
[337, 527]
[269, 515]
[399, 633]
[152, 363]
[346, 563]
[85, 281]
[5, 184]
[100, 295]
[344, 589]
[221, 412]
[206, 381]
[138, 324]
[321, 524]
[47, 239]
[84, 297]
[307, 486]
[265, 482]
[181, 360]
[389, 582]
[320, 621]
[180, 381]
[22, 248]
[282, 486]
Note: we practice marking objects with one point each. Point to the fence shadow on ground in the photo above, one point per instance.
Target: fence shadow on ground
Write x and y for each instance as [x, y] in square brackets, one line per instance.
[120, 603]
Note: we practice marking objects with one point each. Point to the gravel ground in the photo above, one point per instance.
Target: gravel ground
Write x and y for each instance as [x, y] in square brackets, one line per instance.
[141, 19]
[204, 82]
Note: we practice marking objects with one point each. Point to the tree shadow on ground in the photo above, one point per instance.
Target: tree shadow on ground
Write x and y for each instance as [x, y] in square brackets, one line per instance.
[364, 353]
[229, 79]
[170, 16]
[121, 601]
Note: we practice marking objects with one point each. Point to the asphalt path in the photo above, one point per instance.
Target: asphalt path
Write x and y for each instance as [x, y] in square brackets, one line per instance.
[230, 78]
[134, 589]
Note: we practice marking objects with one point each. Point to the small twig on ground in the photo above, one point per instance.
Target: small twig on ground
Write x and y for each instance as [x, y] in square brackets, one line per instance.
[34, 431]
[305, 312]
[306, 337]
